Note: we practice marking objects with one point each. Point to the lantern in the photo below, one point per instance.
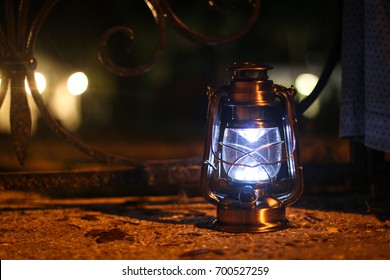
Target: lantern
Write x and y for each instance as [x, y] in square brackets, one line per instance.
[251, 169]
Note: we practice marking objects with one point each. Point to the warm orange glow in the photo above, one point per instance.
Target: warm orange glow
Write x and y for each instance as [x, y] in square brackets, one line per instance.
[66, 107]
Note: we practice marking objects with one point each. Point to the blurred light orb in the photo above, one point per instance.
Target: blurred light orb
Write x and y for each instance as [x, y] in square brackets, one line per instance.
[305, 83]
[40, 80]
[77, 83]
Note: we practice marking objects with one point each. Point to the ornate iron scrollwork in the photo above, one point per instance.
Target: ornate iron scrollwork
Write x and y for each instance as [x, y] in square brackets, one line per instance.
[17, 42]
[17, 62]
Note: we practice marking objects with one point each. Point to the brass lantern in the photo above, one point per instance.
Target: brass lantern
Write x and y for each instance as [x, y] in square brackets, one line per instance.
[251, 169]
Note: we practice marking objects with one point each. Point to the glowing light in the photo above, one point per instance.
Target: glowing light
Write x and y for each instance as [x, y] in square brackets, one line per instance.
[40, 80]
[250, 134]
[305, 83]
[77, 83]
[5, 126]
[253, 154]
[66, 107]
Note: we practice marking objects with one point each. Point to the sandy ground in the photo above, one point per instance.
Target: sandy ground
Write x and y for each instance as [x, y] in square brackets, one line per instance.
[35, 226]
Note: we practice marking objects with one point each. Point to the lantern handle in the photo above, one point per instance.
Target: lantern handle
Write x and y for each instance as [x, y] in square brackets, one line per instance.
[295, 168]
[213, 125]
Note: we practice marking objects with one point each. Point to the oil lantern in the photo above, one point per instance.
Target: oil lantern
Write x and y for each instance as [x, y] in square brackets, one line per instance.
[251, 169]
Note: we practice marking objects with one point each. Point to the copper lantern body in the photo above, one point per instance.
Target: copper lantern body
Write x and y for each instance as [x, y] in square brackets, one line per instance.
[251, 169]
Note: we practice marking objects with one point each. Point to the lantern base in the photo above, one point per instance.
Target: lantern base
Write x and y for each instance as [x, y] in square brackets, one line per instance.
[251, 219]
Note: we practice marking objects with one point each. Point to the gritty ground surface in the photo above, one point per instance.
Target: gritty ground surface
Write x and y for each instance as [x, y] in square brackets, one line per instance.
[34, 226]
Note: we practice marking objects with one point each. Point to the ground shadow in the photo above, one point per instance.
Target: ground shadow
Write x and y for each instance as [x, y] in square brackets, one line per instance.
[358, 203]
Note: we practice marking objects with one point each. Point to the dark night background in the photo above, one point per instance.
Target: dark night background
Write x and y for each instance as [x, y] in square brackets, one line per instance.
[170, 100]
[167, 105]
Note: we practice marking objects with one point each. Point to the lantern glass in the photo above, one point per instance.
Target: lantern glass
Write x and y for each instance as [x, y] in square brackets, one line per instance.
[252, 155]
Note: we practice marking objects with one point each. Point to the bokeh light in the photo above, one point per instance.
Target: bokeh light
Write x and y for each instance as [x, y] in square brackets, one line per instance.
[305, 83]
[40, 80]
[77, 83]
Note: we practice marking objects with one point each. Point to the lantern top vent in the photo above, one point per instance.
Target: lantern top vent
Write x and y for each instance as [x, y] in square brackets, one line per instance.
[249, 71]
[250, 85]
